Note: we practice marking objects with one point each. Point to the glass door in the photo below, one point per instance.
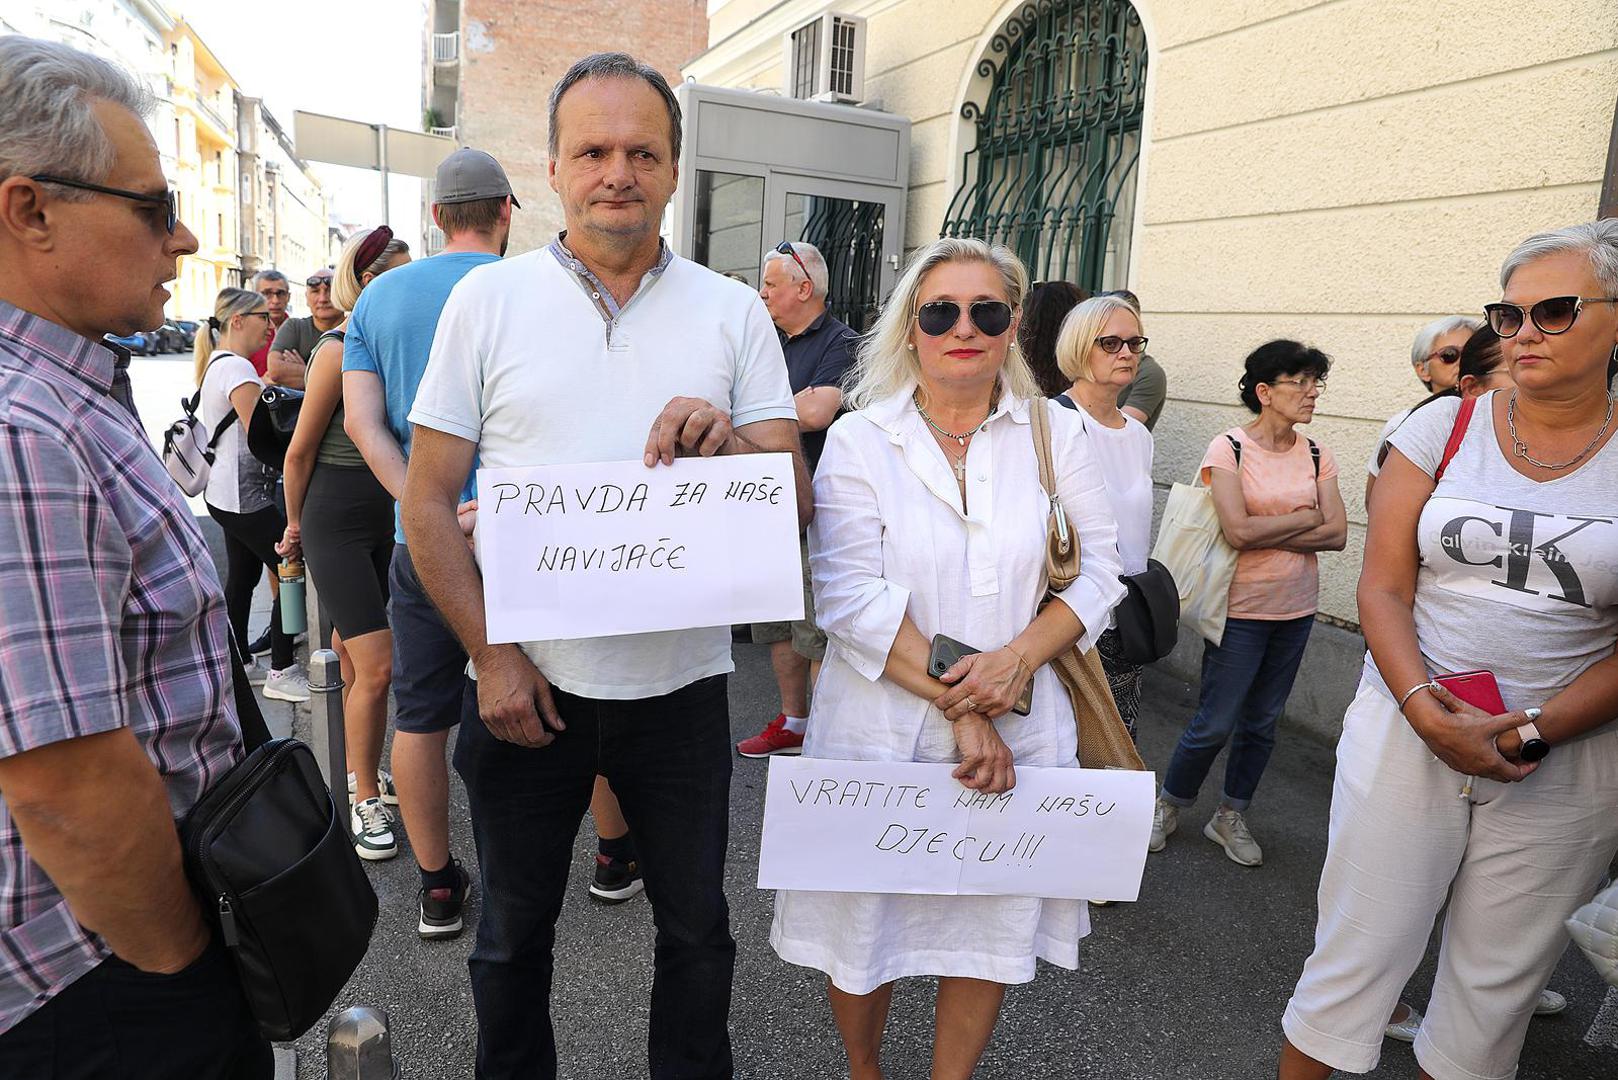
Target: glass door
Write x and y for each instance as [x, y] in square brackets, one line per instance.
[850, 224]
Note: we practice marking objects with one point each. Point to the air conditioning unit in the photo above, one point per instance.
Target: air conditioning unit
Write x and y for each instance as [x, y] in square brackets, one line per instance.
[825, 59]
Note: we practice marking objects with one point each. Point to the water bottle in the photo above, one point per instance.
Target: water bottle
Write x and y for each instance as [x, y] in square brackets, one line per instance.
[292, 613]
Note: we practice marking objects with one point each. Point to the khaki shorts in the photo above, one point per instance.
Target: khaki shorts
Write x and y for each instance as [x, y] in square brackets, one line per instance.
[807, 639]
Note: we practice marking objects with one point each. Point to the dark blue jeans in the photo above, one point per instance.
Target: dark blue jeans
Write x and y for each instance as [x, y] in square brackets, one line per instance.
[668, 760]
[1245, 683]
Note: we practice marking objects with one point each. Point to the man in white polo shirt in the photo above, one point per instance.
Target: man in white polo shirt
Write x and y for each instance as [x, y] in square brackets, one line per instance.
[605, 346]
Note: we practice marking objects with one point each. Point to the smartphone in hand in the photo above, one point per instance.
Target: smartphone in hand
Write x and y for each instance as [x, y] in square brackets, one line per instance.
[1477, 688]
[946, 651]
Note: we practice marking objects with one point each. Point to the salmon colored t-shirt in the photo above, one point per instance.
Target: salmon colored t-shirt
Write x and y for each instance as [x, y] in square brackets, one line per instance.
[1271, 583]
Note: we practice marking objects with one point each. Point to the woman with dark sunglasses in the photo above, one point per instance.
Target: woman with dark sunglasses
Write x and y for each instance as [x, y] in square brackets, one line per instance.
[1099, 349]
[930, 519]
[1491, 553]
[1435, 354]
[1275, 492]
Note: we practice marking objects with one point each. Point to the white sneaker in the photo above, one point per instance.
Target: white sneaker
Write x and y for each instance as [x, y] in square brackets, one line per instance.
[372, 829]
[289, 684]
[1228, 829]
[384, 784]
[1550, 1003]
[255, 672]
[1165, 819]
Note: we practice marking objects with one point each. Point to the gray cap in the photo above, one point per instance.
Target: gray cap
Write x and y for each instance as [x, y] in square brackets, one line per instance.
[468, 175]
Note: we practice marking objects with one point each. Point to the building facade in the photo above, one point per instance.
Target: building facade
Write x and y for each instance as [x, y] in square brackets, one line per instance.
[488, 66]
[283, 208]
[1339, 172]
[204, 177]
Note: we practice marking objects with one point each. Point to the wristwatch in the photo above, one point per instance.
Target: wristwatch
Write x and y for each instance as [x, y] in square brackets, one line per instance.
[1534, 746]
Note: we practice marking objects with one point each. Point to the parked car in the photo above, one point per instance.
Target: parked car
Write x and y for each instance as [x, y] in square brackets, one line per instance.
[138, 343]
[189, 329]
[169, 338]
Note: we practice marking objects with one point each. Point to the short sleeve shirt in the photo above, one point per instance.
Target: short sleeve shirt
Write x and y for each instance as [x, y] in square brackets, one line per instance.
[527, 365]
[1148, 391]
[820, 356]
[238, 482]
[1271, 583]
[301, 334]
[1517, 576]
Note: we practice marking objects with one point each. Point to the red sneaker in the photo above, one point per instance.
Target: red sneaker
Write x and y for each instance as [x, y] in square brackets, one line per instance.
[774, 739]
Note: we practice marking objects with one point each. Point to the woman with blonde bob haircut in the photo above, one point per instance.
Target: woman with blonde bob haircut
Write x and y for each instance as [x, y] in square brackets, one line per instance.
[340, 520]
[930, 520]
[1100, 347]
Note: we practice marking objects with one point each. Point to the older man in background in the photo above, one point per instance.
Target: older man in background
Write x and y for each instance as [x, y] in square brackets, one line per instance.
[115, 707]
[295, 341]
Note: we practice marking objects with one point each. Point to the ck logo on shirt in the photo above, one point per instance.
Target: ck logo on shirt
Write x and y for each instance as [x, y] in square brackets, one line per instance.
[1527, 558]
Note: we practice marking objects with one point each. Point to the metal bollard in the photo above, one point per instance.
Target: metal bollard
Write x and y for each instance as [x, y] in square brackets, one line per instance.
[358, 1046]
[326, 721]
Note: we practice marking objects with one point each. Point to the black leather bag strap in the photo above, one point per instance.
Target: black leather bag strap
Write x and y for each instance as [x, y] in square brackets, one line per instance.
[255, 732]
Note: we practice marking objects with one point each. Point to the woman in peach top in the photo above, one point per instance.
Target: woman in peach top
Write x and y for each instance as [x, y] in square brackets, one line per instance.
[1278, 503]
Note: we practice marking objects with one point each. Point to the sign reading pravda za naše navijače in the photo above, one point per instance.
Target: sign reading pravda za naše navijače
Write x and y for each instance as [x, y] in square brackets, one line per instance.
[596, 550]
[909, 827]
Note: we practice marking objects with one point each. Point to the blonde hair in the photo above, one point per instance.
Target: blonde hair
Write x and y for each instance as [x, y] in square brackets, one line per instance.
[345, 280]
[886, 365]
[1080, 330]
[229, 304]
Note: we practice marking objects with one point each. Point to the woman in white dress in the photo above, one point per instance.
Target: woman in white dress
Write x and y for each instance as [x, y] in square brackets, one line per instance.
[929, 519]
[1099, 348]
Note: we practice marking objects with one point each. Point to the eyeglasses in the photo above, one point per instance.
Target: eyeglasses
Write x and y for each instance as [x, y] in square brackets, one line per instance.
[270, 294]
[265, 315]
[991, 317]
[166, 200]
[1553, 315]
[785, 248]
[1112, 343]
[318, 283]
[1448, 355]
[1304, 384]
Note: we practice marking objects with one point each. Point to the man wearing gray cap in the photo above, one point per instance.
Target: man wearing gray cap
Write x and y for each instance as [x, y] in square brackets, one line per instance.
[390, 334]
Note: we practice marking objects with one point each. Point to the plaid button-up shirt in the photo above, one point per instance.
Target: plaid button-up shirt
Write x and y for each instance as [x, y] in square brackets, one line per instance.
[111, 616]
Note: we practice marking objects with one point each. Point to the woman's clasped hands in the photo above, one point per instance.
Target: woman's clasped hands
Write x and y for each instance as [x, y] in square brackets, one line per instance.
[983, 687]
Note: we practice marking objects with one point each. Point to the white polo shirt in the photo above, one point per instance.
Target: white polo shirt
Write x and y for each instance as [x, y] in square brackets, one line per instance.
[534, 371]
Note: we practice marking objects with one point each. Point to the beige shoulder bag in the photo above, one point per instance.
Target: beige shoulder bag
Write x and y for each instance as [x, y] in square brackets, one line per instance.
[1104, 741]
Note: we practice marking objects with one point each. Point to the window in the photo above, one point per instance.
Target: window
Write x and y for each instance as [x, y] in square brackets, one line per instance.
[729, 232]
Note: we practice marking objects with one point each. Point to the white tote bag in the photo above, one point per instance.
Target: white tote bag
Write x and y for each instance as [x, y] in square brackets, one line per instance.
[1192, 546]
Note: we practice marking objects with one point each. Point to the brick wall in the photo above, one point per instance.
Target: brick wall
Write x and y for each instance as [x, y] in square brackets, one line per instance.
[513, 51]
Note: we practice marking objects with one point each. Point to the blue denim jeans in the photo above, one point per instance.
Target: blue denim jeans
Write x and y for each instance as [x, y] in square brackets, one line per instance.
[668, 759]
[1245, 683]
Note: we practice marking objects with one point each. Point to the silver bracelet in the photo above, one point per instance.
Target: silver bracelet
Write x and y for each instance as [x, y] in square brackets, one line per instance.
[1408, 694]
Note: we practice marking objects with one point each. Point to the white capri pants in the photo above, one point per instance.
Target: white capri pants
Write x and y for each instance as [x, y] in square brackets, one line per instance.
[1514, 861]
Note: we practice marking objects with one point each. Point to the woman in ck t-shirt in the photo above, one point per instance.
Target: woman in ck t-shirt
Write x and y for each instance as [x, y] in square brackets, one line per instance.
[1276, 495]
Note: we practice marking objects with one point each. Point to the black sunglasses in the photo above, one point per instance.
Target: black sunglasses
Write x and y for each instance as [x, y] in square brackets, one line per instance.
[938, 317]
[319, 283]
[785, 248]
[1112, 343]
[1448, 355]
[165, 200]
[1553, 315]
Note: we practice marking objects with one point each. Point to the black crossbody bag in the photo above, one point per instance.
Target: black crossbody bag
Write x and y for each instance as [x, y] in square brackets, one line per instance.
[271, 860]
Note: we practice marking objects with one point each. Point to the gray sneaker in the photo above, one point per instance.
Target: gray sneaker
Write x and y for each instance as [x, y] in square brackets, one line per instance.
[1165, 819]
[289, 684]
[1228, 829]
[256, 672]
[384, 784]
[372, 829]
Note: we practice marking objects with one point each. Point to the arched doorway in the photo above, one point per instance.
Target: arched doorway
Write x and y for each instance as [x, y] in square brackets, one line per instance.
[1051, 173]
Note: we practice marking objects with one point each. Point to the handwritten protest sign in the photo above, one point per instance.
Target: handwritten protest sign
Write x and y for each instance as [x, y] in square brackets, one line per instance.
[906, 827]
[575, 551]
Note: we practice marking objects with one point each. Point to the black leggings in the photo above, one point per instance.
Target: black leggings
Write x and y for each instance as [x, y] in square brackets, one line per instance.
[348, 544]
[250, 541]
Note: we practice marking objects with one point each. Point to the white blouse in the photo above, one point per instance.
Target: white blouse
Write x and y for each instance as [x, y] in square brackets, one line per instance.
[889, 537]
[1125, 456]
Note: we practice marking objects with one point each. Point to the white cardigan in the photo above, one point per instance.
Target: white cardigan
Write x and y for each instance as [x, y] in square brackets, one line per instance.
[889, 537]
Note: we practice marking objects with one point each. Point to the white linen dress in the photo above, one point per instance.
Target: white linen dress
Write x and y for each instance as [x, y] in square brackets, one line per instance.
[889, 537]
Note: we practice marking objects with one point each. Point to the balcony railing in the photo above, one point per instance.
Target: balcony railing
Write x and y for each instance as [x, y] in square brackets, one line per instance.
[434, 240]
[213, 114]
[446, 47]
[446, 132]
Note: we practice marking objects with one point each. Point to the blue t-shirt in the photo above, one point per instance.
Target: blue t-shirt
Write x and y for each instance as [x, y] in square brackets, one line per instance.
[391, 333]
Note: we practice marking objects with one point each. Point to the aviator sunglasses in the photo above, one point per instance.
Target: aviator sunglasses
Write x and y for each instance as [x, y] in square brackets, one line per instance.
[1553, 315]
[166, 200]
[938, 317]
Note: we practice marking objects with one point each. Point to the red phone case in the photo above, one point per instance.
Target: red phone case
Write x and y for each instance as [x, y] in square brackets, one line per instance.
[1477, 688]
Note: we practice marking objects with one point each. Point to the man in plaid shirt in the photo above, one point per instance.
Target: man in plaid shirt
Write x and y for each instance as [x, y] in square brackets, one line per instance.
[115, 685]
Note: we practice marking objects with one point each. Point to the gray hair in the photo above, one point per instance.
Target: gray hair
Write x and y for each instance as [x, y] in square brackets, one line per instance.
[814, 267]
[269, 275]
[616, 65]
[1596, 239]
[1422, 347]
[47, 92]
[885, 366]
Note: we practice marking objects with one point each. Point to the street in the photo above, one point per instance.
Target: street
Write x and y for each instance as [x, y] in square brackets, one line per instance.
[1188, 983]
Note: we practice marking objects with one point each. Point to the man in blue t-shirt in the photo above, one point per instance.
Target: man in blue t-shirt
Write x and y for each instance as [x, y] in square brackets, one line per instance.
[390, 335]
